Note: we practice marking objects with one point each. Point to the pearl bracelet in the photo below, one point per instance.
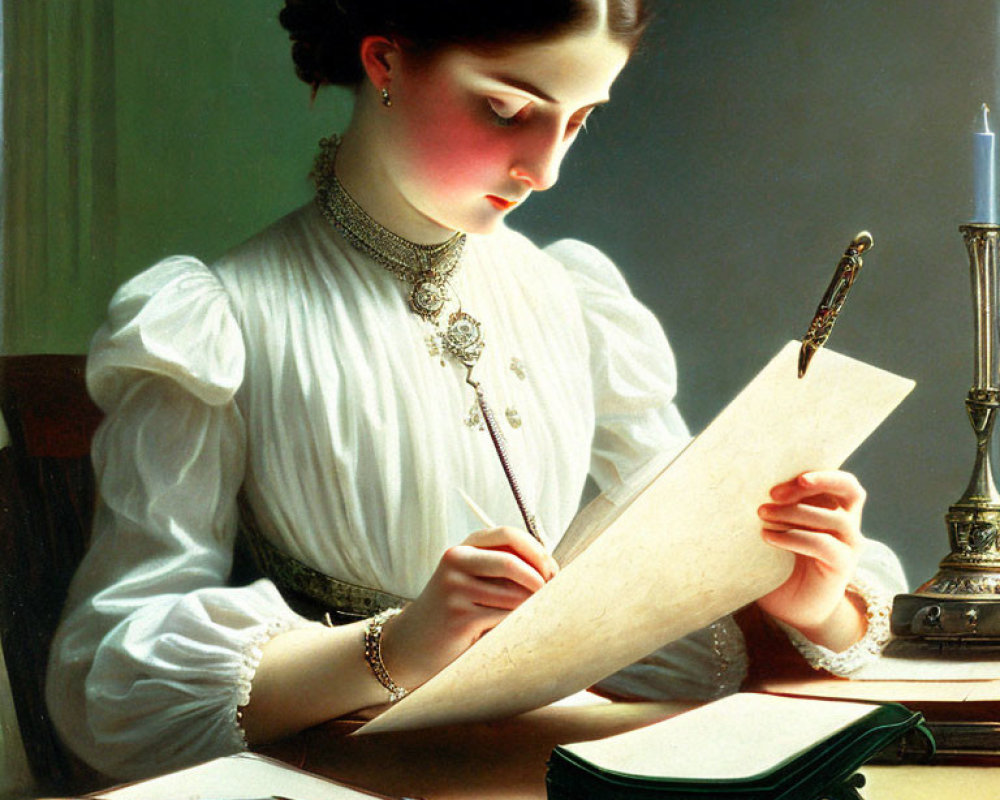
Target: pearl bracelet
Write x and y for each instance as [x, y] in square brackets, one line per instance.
[373, 653]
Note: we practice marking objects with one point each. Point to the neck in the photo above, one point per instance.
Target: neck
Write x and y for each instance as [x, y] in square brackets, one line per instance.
[367, 177]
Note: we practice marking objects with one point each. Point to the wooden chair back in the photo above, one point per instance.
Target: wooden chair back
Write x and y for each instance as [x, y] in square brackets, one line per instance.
[46, 506]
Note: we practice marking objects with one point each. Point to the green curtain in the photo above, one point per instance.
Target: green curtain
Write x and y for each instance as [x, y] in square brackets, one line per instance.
[137, 129]
[59, 150]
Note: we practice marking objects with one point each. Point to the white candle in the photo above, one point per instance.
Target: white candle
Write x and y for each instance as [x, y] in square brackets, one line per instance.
[984, 175]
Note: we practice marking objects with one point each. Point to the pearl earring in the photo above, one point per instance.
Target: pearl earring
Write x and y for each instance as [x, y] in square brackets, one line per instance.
[386, 99]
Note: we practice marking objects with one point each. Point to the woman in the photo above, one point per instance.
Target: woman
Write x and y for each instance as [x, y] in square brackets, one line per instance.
[321, 384]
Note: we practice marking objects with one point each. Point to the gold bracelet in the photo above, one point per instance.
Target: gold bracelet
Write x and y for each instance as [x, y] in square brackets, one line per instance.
[373, 653]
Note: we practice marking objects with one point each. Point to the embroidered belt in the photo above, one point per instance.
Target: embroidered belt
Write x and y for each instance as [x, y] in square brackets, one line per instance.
[308, 591]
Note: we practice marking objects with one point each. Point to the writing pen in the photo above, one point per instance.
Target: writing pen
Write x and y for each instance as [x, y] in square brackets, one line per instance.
[479, 514]
[833, 299]
[476, 510]
[496, 436]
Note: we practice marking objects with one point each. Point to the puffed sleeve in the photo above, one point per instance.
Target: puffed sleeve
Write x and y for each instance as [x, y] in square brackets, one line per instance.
[155, 653]
[638, 428]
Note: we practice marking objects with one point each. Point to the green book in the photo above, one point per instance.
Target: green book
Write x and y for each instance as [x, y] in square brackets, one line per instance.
[743, 747]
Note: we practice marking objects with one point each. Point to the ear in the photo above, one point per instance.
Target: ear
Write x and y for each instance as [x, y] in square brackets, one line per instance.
[379, 58]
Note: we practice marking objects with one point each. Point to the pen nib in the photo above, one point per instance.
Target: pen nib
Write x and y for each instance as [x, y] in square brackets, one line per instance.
[806, 353]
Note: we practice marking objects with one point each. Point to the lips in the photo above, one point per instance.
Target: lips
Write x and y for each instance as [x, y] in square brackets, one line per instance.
[501, 203]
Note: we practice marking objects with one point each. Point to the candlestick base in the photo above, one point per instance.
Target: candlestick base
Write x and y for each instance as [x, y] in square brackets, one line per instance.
[961, 603]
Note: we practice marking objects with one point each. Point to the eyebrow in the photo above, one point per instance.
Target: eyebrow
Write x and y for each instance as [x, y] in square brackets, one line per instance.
[525, 86]
[530, 88]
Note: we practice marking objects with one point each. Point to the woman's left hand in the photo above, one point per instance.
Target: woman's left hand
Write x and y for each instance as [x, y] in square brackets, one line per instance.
[817, 516]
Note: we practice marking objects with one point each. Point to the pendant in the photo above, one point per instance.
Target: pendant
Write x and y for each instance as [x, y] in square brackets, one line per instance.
[474, 419]
[428, 297]
[464, 338]
[518, 368]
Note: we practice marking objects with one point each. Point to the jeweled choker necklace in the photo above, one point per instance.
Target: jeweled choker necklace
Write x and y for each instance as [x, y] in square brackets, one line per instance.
[427, 269]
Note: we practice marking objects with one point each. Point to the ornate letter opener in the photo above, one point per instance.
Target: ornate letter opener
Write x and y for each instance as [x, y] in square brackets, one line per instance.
[961, 603]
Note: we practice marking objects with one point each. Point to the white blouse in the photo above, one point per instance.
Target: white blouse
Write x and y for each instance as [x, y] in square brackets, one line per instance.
[293, 368]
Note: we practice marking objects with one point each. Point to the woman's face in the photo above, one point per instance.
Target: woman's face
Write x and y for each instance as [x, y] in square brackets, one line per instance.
[472, 135]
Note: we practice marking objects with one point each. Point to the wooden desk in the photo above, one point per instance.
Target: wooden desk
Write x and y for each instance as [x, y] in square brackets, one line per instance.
[884, 783]
[931, 783]
[506, 761]
[502, 760]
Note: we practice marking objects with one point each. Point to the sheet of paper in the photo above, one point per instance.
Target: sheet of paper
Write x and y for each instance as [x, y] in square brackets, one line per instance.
[234, 778]
[684, 553]
[944, 666]
[909, 672]
[927, 691]
[735, 738]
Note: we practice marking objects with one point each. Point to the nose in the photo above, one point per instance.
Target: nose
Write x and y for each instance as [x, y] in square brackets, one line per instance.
[538, 167]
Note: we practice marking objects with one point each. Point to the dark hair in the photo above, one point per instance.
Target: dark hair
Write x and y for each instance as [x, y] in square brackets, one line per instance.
[326, 34]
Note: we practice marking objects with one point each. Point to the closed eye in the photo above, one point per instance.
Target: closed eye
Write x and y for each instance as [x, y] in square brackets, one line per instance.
[506, 114]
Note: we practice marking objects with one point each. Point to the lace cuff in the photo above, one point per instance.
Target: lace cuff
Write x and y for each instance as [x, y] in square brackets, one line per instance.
[730, 653]
[252, 654]
[867, 648]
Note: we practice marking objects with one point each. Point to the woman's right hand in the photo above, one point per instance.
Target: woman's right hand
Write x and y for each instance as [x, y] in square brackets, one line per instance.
[476, 584]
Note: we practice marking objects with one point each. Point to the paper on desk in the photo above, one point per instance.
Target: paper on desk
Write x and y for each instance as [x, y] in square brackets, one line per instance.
[963, 666]
[684, 553]
[909, 672]
[896, 691]
[243, 775]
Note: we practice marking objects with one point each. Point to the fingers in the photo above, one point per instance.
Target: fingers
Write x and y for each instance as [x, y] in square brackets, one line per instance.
[837, 522]
[490, 593]
[475, 586]
[503, 554]
[842, 488]
[821, 547]
[520, 544]
[480, 562]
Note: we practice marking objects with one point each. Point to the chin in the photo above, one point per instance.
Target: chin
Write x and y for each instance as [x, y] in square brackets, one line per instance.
[481, 224]
[486, 228]
[476, 220]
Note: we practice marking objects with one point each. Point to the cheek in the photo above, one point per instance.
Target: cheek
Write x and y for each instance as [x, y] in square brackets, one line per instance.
[454, 152]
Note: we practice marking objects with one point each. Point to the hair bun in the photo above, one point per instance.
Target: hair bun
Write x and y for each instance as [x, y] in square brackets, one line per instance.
[326, 34]
[324, 44]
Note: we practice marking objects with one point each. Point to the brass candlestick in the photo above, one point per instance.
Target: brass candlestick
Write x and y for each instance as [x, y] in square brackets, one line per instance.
[961, 603]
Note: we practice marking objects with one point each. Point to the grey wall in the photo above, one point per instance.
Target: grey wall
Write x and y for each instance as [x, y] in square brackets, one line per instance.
[743, 150]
